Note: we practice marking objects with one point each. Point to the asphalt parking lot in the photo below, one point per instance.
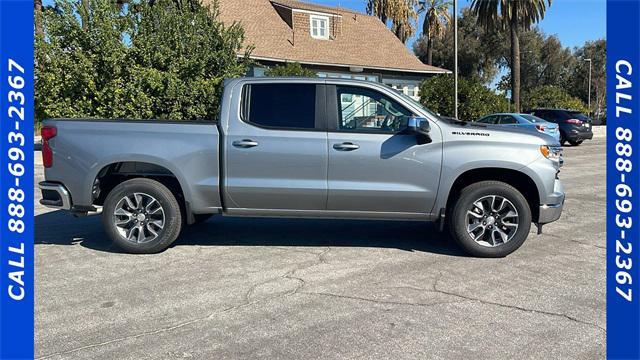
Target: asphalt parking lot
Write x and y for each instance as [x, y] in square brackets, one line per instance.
[277, 288]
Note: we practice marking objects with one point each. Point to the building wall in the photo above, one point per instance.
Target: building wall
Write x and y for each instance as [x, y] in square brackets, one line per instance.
[301, 24]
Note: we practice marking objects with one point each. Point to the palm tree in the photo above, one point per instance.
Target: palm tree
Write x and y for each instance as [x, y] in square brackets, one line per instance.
[436, 20]
[513, 15]
[379, 8]
[402, 14]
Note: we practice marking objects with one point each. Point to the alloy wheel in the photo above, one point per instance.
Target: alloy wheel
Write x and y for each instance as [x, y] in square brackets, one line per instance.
[139, 217]
[492, 220]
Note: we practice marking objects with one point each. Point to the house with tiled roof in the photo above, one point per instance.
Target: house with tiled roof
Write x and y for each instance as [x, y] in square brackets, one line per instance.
[332, 41]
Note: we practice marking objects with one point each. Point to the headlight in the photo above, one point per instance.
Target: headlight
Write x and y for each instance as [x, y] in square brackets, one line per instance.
[553, 153]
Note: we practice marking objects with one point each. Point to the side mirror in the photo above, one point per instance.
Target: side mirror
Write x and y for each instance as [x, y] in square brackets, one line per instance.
[418, 125]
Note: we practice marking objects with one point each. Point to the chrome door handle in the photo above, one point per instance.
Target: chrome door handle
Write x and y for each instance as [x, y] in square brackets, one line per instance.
[346, 146]
[245, 143]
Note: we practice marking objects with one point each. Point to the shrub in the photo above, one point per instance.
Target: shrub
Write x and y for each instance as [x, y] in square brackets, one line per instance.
[552, 97]
[161, 59]
[474, 100]
[290, 69]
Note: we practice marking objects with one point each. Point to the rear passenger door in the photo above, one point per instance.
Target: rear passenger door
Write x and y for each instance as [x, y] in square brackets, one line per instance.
[276, 151]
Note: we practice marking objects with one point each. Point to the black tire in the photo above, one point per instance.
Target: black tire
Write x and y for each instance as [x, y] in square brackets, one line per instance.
[575, 143]
[172, 217]
[563, 139]
[200, 218]
[458, 221]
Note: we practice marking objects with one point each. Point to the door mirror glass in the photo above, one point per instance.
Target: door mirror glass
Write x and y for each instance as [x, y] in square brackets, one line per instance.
[418, 125]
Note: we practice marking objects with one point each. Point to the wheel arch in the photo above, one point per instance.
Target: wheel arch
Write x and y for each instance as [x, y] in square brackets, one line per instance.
[519, 180]
[116, 172]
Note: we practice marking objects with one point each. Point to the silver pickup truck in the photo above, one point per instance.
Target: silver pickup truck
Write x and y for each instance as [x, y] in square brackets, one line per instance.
[307, 148]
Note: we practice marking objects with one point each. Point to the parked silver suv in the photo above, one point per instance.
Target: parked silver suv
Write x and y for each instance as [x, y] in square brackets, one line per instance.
[296, 147]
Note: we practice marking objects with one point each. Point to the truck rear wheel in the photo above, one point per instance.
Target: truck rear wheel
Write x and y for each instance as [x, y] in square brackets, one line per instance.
[142, 216]
[490, 219]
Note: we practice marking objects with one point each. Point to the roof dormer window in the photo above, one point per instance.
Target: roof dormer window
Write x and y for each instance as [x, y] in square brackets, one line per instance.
[319, 27]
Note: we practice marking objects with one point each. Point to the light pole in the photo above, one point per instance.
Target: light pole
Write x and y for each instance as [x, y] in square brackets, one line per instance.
[589, 94]
[455, 58]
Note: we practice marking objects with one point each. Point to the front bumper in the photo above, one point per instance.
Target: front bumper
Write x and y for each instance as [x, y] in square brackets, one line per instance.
[551, 212]
[55, 195]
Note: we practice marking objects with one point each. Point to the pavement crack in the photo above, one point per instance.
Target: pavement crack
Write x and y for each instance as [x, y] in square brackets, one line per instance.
[377, 301]
[245, 302]
[135, 336]
[514, 307]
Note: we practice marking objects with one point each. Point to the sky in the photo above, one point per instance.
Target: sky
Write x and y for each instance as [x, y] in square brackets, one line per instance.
[573, 21]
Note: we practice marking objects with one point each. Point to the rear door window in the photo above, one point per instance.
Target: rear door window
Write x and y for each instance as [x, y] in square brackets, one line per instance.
[280, 106]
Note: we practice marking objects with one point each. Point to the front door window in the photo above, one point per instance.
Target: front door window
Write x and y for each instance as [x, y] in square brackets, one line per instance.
[365, 110]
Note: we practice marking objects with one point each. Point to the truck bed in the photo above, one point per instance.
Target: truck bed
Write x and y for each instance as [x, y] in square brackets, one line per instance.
[188, 150]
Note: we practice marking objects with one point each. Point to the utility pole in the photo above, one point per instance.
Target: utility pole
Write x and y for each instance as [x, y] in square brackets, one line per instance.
[455, 58]
[589, 94]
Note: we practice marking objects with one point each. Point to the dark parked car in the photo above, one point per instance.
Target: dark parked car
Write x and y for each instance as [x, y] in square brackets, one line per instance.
[575, 127]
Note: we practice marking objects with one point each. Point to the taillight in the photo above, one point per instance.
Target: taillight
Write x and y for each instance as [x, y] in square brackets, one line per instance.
[47, 132]
[573, 121]
[540, 128]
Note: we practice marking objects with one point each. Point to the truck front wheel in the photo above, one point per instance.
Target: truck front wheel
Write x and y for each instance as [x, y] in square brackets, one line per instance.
[490, 219]
[142, 216]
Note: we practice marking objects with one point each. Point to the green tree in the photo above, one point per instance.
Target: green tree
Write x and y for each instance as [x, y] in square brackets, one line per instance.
[480, 51]
[475, 100]
[514, 15]
[290, 69]
[544, 61]
[577, 83]
[161, 59]
[436, 21]
[549, 96]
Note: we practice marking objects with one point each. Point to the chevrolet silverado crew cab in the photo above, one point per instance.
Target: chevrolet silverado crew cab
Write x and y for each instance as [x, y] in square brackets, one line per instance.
[306, 148]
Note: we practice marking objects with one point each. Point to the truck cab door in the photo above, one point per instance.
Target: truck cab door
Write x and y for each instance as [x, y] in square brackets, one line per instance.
[276, 149]
[376, 168]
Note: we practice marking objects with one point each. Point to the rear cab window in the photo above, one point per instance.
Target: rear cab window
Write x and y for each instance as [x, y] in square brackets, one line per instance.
[281, 105]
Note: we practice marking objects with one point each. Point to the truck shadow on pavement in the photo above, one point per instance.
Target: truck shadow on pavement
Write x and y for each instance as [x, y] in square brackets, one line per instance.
[61, 228]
